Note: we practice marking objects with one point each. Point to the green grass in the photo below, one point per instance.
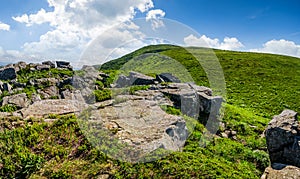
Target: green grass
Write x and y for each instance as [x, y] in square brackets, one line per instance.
[263, 83]
[61, 150]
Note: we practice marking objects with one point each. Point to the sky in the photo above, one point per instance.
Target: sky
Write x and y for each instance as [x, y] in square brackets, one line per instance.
[38, 30]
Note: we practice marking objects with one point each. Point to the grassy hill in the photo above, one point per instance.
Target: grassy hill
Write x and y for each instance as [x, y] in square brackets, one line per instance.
[258, 87]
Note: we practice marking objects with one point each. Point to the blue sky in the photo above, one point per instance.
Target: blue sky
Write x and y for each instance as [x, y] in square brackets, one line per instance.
[63, 29]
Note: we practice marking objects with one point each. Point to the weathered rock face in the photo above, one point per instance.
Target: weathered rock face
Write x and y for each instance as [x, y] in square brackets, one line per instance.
[284, 171]
[194, 101]
[283, 138]
[134, 78]
[142, 124]
[8, 73]
[19, 100]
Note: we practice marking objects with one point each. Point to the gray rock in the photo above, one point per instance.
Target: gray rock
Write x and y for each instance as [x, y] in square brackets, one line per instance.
[43, 67]
[64, 64]
[167, 77]
[35, 98]
[143, 125]
[45, 82]
[6, 87]
[134, 78]
[194, 102]
[72, 95]
[19, 100]
[8, 73]
[19, 66]
[49, 92]
[285, 171]
[43, 108]
[50, 63]
[283, 138]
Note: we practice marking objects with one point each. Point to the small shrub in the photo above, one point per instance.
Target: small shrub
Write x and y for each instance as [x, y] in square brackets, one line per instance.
[102, 95]
[8, 108]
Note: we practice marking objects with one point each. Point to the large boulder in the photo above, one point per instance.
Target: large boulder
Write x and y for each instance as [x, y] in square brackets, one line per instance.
[19, 100]
[194, 101]
[283, 138]
[8, 73]
[134, 78]
[64, 64]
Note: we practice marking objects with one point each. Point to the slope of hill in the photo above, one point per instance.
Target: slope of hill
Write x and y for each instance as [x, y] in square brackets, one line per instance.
[258, 87]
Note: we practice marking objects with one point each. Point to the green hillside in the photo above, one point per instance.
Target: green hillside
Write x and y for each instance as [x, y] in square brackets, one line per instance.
[258, 87]
[263, 83]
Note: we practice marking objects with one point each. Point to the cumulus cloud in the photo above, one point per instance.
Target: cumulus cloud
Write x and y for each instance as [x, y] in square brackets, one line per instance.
[204, 41]
[282, 46]
[155, 17]
[13, 56]
[76, 22]
[4, 26]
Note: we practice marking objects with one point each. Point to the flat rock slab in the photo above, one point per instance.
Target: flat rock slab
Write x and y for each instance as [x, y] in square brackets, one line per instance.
[143, 125]
[43, 108]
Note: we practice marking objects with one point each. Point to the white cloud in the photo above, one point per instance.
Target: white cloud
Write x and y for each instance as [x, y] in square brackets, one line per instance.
[13, 56]
[4, 26]
[282, 46]
[75, 22]
[154, 16]
[204, 41]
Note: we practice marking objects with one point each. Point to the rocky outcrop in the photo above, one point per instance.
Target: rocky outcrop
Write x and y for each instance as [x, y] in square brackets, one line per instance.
[194, 101]
[283, 137]
[142, 124]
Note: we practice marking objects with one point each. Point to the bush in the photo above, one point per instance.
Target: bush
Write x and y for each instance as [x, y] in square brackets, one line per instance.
[8, 108]
[102, 95]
